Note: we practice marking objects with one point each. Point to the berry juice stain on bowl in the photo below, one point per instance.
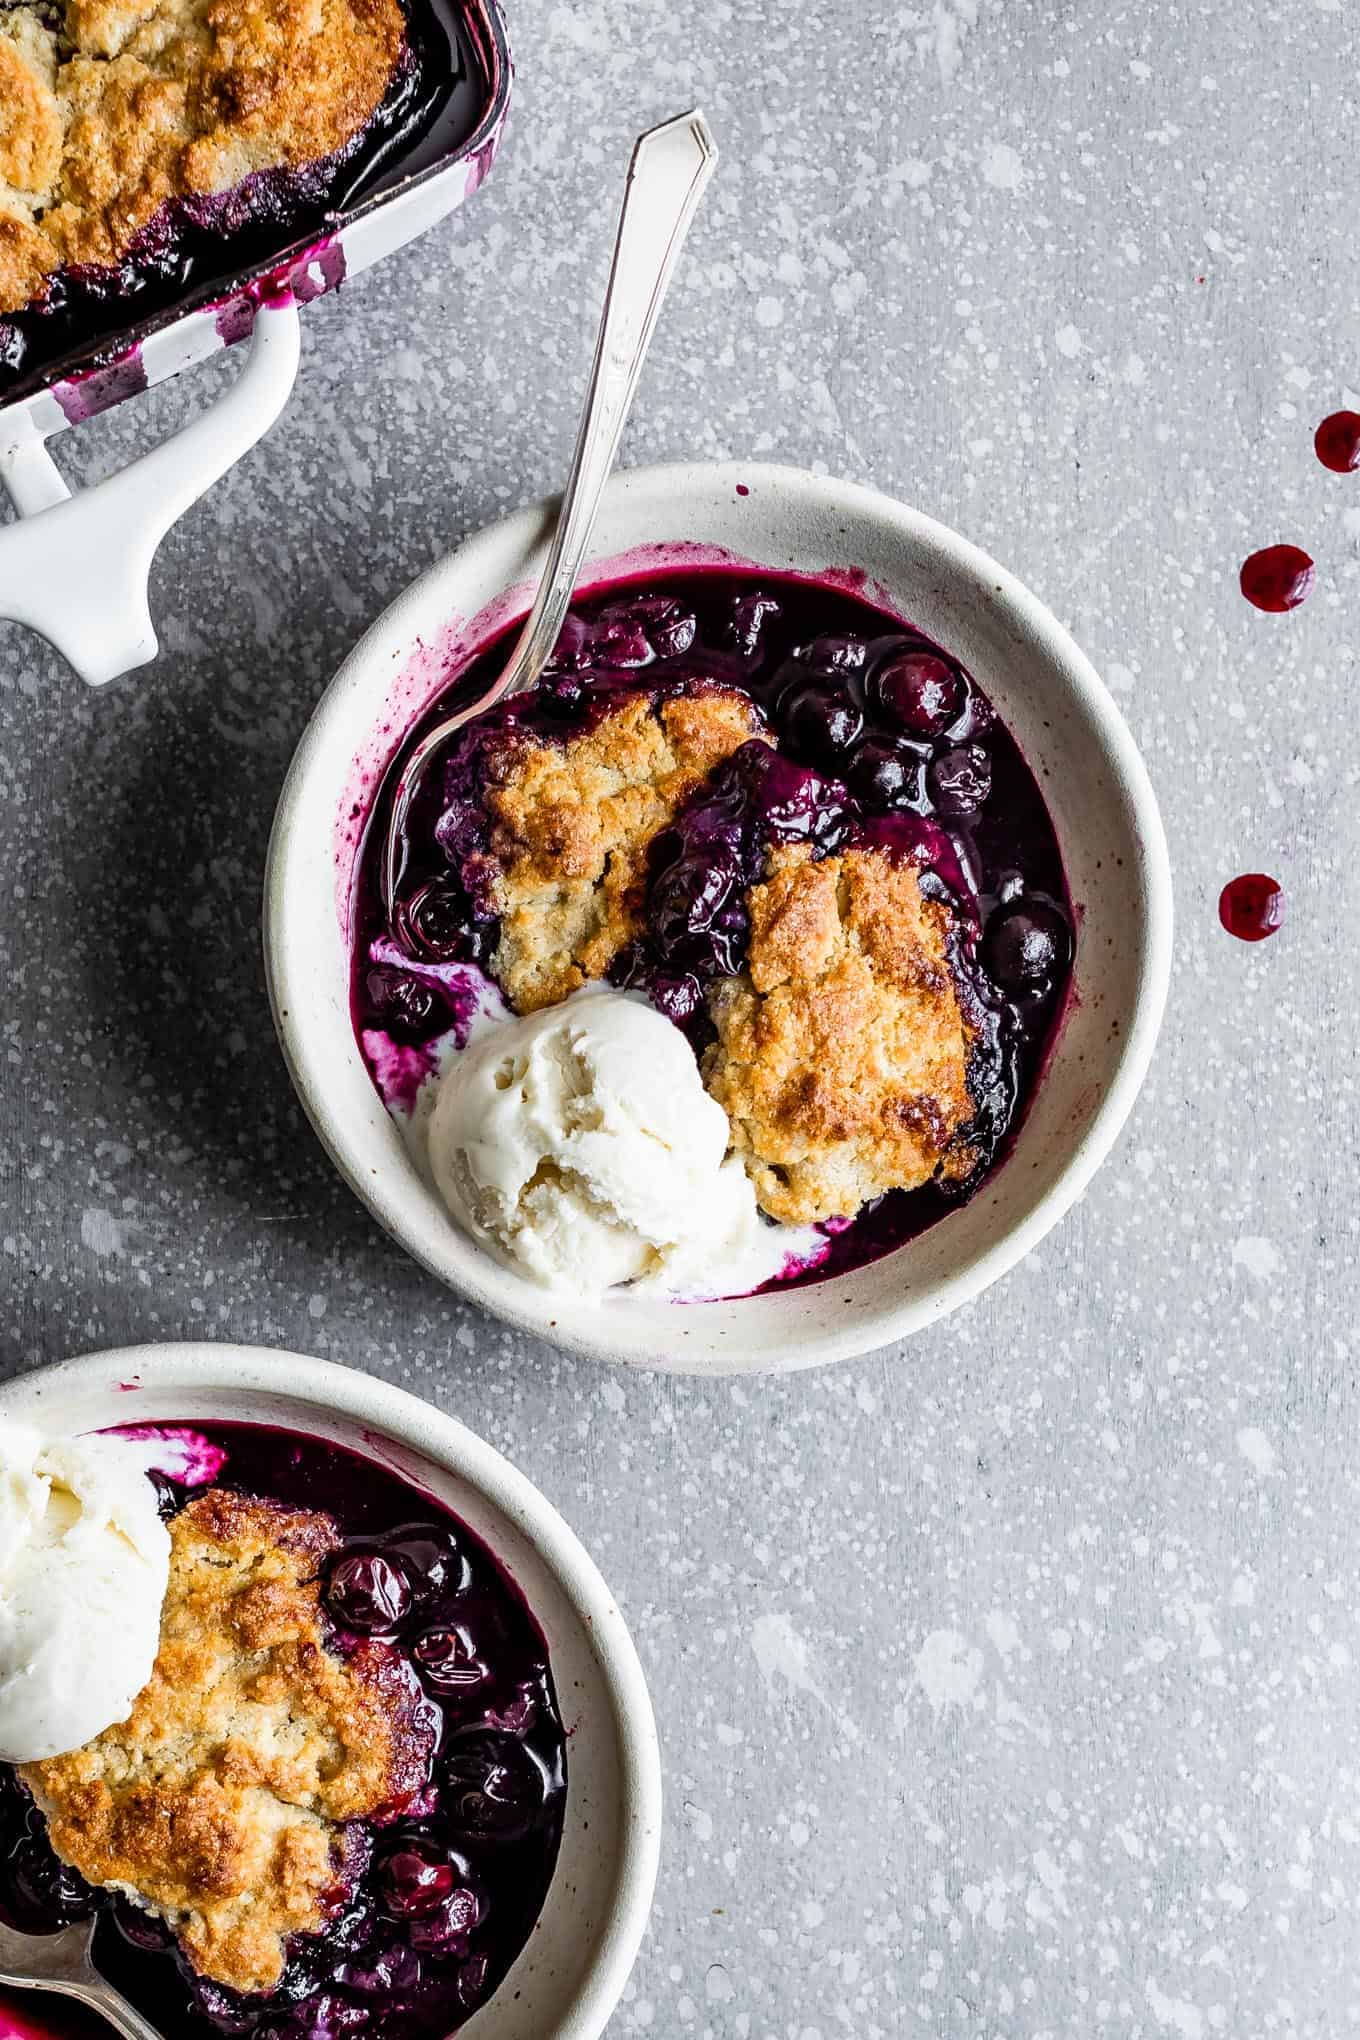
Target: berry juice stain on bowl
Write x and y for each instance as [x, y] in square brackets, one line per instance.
[327, 1626]
[798, 830]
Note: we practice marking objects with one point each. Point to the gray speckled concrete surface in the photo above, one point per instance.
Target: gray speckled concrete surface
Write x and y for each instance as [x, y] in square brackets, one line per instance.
[1009, 1681]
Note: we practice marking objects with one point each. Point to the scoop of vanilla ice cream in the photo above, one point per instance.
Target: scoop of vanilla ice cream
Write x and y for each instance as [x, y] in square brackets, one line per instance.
[84, 1564]
[579, 1141]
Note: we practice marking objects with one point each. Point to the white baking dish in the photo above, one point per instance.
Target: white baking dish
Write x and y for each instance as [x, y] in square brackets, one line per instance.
[75, 568]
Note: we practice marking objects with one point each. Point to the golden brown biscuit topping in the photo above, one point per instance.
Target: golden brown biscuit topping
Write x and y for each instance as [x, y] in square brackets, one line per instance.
[572, 823]
[129, 103]
[842, 1053]
[218, 1804]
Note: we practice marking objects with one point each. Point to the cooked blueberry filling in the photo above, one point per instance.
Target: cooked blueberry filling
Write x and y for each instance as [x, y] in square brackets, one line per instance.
[870, 734]
[430, 1910]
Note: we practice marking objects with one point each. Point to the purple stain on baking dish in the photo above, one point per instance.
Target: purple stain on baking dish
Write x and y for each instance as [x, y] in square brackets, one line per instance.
[99, 389]
[309, 276]
[323, 270]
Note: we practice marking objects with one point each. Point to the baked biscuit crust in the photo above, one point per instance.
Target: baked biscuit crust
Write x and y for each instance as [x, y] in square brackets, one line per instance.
[219, 1804]
[131, 103]
[842, 1052]
[572, 824]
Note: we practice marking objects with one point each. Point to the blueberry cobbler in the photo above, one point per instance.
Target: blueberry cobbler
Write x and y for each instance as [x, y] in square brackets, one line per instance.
[146, 145]
[334, 1805]
[729, 955]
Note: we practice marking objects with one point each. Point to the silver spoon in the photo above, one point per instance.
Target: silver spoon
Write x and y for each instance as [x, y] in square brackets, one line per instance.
[61, 1962]
[670, 167]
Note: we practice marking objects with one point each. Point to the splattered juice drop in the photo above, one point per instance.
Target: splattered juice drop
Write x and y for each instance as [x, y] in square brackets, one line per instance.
[1277, 578]
[1337, 442]
[1252, 906]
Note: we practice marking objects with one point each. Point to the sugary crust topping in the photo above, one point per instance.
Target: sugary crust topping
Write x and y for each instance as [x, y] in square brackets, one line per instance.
[217, 1803]
[571, 827]
[30, 137]
[842, 1054]
[133, 102]
[26, 258]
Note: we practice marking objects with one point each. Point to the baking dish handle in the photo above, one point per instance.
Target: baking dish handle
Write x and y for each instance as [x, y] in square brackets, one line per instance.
[76, 568]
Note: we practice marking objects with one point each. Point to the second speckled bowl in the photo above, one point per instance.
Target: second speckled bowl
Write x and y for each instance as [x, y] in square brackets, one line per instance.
[567, 1979]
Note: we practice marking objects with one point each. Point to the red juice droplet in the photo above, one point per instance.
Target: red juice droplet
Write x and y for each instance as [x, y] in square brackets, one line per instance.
[1277, 578]
[1337, 442]
[1251, 907]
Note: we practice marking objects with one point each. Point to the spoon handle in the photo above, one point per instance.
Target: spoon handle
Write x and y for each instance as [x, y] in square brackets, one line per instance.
[669, 171]
[670, 167]
[111, 2006]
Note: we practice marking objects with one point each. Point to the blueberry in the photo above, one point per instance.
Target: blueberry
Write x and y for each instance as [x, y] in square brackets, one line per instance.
[395, 1969]
[437, 920]
[451, 1924]
[687, 898]
[728, 939]
[223, 2010]
[619, 641]
[415, 1878]
[472, 1980]
[793, 804]
[352, 1928]
[142, 1930]
[572, 650]
[433, 1566]
[921, 692]
[460, 831]
[404, 1005]
[494, 1790]
[960, 780]
[673, 635]
[680, 998]
[369, 1593]
[325, 2016]
[1025, 945]
[562, 693]
[41, 1892]
[670, 628]
[821, 723]
[887, 774]
[833, 654]
[447, 1660]
[750, 614]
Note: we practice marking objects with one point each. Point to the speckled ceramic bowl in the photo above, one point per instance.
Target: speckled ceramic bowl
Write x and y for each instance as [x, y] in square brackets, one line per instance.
[1072, 734]
[567, 1981]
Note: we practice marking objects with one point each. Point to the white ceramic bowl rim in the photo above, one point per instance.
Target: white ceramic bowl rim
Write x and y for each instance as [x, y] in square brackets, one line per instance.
[347, 719]
[373, 1404]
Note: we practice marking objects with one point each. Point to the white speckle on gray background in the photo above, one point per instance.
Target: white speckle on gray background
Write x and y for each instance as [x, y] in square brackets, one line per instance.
[1007, 1681]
